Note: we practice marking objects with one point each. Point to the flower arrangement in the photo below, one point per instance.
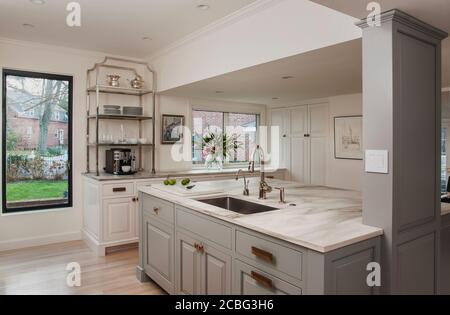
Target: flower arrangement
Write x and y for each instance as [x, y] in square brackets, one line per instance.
[218, 147]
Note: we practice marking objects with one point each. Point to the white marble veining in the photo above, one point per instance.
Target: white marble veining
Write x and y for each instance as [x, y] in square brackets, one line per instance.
[319, 218]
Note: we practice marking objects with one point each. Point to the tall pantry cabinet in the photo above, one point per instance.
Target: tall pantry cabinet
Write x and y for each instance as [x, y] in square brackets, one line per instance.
[303, 141]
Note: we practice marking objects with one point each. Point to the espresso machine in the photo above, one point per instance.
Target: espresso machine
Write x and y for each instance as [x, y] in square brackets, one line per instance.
[120, 162]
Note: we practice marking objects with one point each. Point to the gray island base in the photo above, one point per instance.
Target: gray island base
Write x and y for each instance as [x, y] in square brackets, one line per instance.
[314, 244]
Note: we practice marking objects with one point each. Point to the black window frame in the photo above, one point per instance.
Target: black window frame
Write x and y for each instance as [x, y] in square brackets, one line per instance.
[37, 75]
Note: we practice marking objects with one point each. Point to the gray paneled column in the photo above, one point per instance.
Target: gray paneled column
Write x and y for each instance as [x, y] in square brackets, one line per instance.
[401, 92]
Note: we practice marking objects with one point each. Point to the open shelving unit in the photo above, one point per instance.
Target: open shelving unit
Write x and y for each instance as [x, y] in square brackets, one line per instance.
[95, 115]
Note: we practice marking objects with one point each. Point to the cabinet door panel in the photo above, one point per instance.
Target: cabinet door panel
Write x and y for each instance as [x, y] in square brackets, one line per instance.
[159, 248]
[300, 160]
[216, 272]
[119, 219]
[188, 266]
[318, 160]
[281, 119]
[299, 121]
[318, 120]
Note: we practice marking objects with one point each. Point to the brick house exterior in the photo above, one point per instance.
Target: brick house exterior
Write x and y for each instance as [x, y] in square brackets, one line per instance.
[28, 130]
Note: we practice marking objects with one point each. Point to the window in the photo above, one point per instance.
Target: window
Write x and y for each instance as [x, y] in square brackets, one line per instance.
[36, 157]
[242, 126]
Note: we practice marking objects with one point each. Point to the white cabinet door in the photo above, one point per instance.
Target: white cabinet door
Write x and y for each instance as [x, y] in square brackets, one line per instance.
[158, 253]
[188, 265]
[280, 118]
[119, 219]
[319, 134]
[216, 272]
[318, 120]
[299, 121]
[300, 159]
[318, 148]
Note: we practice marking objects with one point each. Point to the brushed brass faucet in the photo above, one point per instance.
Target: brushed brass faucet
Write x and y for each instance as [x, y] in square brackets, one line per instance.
[264, 187]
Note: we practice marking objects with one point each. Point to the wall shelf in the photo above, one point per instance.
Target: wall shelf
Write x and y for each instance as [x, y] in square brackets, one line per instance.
[120, 117]
[120, 145]
[118, 90]
[93, 114]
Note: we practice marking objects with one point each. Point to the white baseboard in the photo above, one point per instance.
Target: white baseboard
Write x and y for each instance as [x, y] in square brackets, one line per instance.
[38, 241]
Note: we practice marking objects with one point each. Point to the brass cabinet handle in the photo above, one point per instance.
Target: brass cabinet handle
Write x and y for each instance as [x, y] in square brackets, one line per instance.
[134, 199]
[262, 254]
[261, 280]
[156, 210]
[119, 189]
[199, 247]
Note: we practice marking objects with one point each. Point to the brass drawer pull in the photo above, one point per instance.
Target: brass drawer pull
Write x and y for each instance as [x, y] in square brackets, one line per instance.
[262, 254]
[156, 210]
[263, 281]
[199, 247]
[119, 189]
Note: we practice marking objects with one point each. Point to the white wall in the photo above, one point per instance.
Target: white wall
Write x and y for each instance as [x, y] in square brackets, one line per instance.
[267, 31]
[19, 230]
[346, 174]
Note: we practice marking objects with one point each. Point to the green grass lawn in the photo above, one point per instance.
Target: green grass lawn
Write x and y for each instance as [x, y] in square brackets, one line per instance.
[35, 190]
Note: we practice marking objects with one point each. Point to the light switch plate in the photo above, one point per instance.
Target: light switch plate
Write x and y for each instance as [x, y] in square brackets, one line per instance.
[377, 161]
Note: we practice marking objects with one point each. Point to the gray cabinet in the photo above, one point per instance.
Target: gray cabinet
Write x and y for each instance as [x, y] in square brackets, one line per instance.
[187, 252]
[249, 280]
[158, 252]
[201, 269]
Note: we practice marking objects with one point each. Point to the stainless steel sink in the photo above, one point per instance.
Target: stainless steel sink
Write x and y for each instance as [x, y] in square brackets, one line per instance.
[237, 205]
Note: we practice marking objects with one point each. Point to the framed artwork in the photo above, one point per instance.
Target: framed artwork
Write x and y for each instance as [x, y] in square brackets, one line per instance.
[348, 141]
[172, 129]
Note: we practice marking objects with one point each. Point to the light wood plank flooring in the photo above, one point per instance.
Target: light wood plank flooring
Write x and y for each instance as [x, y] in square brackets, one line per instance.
[42, 270]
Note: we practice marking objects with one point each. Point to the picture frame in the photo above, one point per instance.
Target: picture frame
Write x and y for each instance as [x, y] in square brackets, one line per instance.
[348, 137]
[172, 128]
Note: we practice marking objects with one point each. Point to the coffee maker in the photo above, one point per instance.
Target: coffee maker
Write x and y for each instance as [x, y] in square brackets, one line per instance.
[120, 162]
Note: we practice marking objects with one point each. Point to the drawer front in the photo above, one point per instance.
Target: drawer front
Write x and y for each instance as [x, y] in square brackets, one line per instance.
[252, 281]
[270, 254]
[209, 230]
[158, 208]
[118, 190]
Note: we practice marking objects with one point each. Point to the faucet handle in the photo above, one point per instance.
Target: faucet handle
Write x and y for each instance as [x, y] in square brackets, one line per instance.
[281, 189]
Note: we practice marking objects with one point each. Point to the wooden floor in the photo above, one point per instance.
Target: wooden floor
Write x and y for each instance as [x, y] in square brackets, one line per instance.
[42, 270]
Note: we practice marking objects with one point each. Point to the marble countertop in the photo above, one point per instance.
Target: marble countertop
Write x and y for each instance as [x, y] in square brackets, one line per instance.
[319, 218]
[445, 208]
[147, 175]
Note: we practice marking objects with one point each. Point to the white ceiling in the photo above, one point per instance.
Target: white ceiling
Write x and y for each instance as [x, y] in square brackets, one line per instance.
[112, 26]
[333, 70]
[434, 12]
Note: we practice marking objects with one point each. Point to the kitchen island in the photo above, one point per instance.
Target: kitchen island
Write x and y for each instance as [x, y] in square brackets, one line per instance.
[315, 243]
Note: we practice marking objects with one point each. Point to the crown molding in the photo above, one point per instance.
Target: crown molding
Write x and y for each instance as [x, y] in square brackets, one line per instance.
[408, 20]
[62, 49]
[230, 19]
